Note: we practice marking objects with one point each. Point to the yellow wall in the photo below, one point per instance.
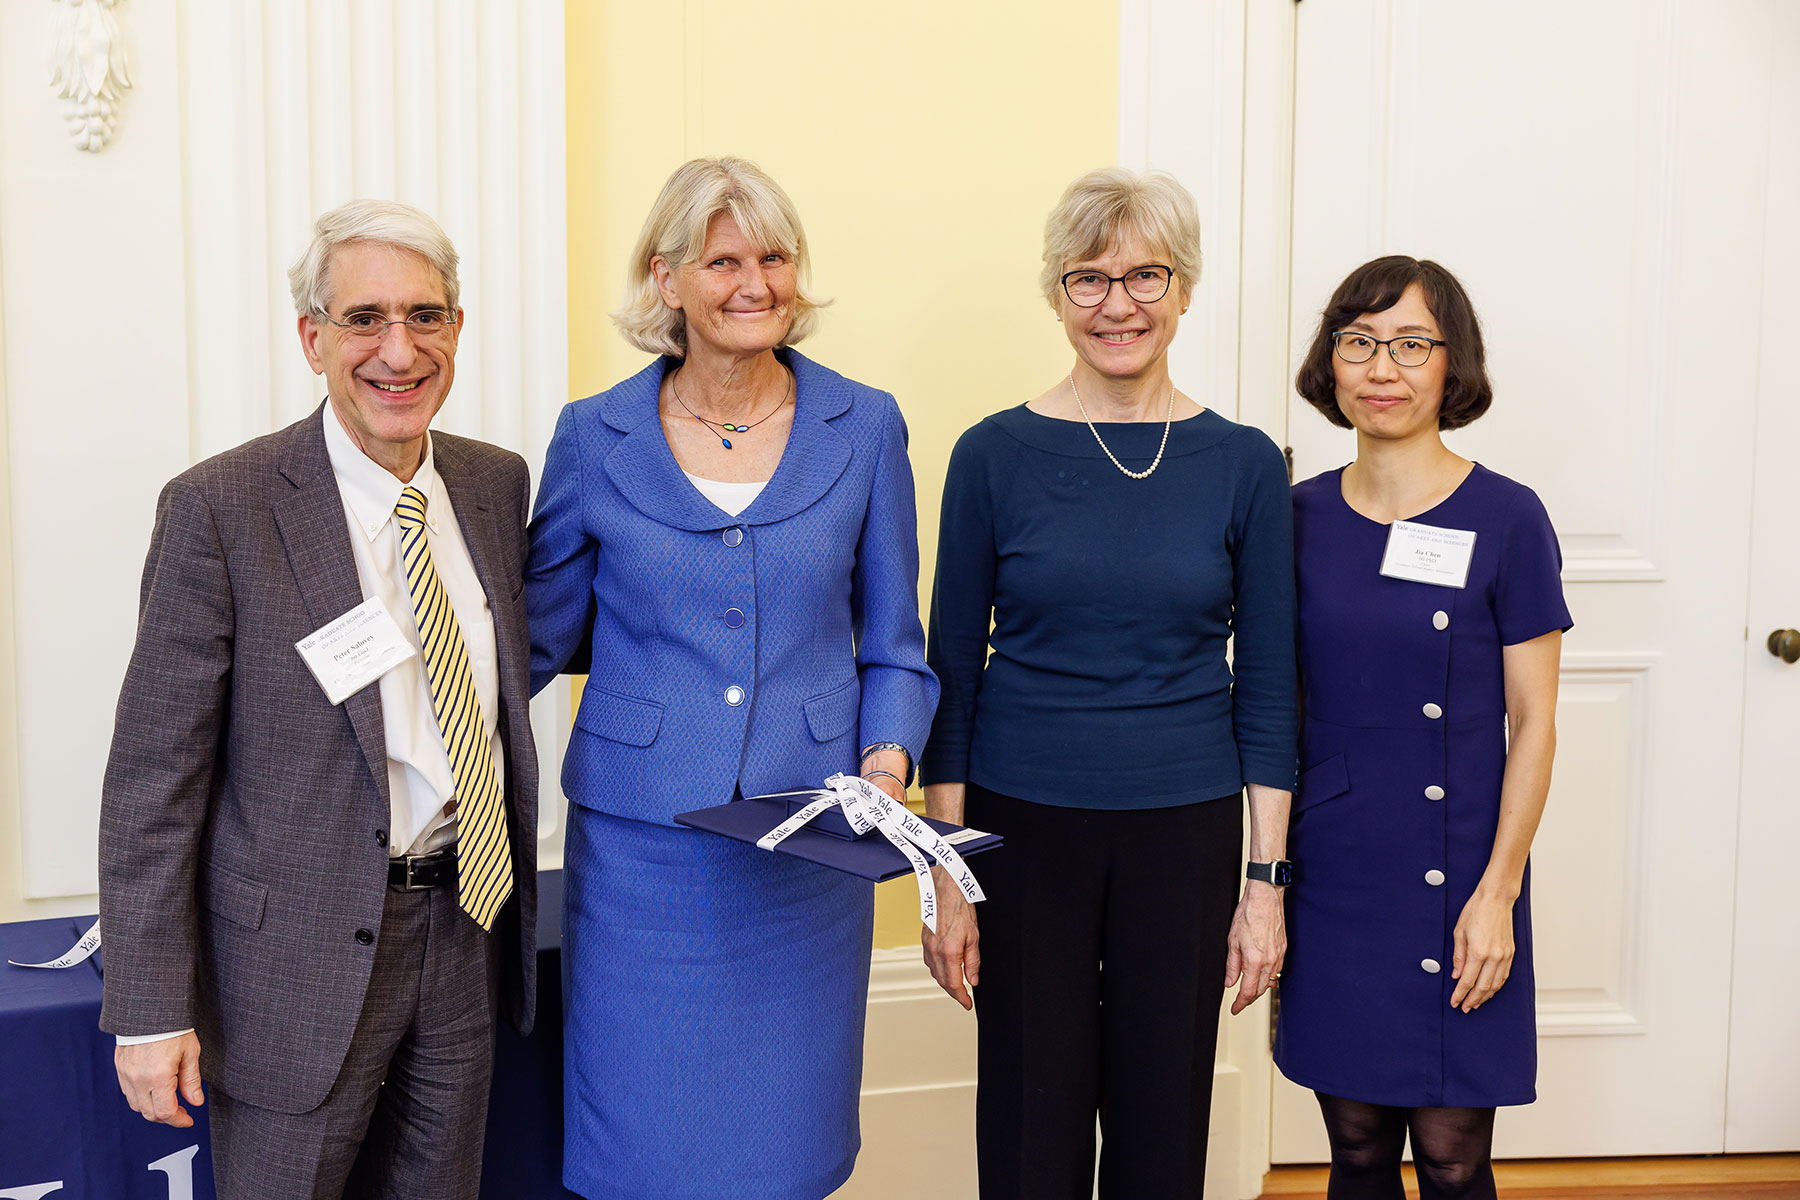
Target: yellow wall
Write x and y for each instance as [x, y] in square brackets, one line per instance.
[924, 144]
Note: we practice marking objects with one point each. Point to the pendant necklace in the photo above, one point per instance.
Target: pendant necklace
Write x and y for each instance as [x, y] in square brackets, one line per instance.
[727, 426]
[1168, 420]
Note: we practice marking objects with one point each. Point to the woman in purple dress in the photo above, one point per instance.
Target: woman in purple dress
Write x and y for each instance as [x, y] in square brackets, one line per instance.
[1431, 623]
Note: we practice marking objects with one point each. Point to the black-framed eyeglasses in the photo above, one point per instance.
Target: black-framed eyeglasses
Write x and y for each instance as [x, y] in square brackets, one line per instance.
[424, 324]
[1412, 350]
[1088, 288]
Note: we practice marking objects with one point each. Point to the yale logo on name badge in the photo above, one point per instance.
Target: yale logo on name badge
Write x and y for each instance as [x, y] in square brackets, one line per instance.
[350, 653]
[1428, 554]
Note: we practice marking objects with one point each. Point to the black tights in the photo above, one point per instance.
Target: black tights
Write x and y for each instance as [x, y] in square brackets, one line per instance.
[1452, 1150]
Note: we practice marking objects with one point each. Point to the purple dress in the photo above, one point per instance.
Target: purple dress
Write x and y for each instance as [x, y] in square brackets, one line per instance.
[1402, 747]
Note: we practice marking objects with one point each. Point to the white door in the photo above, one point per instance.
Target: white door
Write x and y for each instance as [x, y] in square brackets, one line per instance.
[1596, 174]
[1762, 1103]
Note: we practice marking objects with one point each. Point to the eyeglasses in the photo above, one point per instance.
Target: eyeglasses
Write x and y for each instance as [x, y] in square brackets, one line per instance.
[1413, 350]
[1146, 284]
[423, 325]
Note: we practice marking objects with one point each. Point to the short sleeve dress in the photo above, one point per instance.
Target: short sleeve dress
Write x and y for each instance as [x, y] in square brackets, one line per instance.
[1402, 749]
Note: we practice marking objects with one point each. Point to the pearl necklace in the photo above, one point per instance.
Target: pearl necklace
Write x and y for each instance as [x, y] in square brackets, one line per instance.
[1168, 420]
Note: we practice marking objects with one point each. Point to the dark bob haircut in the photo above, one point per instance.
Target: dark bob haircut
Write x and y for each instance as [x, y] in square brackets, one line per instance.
[1376, 287]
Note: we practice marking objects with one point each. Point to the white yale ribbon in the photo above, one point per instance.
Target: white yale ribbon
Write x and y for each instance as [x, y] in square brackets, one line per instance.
[868, 808]
[79, 952]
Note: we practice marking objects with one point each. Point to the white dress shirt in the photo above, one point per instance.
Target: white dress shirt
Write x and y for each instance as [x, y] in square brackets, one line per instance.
[419, 778]
[420, 783]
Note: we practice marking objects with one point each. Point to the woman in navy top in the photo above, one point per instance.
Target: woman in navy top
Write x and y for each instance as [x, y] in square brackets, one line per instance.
[1431, 623]
[1116, 534]
[730, 532]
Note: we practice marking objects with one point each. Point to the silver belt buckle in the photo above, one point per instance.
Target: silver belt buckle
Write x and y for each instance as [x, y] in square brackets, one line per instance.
[412, 861]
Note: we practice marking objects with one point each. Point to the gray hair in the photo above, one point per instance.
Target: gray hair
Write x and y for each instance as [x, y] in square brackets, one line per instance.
[698, 191]
[386, 222]
[1112, 203]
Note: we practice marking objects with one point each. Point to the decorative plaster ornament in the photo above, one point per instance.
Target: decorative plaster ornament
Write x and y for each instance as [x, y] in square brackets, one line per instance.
[87, 67]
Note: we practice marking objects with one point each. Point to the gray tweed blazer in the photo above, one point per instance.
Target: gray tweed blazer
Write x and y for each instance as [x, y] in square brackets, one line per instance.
[243, 819]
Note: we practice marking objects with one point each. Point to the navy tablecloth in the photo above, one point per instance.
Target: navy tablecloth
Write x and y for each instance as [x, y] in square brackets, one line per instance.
[64, 1123]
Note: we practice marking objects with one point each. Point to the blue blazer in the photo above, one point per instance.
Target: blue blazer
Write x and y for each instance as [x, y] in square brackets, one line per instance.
[751, 653]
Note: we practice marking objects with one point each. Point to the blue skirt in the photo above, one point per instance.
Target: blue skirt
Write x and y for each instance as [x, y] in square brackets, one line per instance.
[714, 997]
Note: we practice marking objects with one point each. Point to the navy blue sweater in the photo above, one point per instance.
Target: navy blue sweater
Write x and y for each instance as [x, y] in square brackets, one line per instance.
[1111, 602]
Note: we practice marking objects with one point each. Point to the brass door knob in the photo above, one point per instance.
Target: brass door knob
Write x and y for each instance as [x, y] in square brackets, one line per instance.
[1785, 645]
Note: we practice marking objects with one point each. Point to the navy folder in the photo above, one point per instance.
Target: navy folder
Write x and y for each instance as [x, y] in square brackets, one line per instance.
[872, 857]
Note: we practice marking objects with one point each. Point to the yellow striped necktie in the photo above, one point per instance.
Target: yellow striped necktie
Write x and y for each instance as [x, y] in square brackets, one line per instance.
[484, 857]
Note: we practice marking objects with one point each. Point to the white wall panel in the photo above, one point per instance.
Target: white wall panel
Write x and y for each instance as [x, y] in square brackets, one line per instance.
[144, 297]
[1181, 110]
[1588, 862]
[1762, 1111]
[96, 391]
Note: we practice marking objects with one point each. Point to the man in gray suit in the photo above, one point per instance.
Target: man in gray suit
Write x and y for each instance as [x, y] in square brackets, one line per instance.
[319, 902]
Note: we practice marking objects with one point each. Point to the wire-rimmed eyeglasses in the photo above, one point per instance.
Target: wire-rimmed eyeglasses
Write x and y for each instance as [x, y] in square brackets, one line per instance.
[1088, 288]
[1412, 350]
[423, 324]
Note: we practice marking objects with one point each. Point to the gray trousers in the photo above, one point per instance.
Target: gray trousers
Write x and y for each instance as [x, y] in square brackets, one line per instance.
[406, 1117]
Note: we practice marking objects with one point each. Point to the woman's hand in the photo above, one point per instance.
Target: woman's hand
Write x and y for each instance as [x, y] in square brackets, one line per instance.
[1257, 944]
[953, 953]
[1484, 932]
[892, 767]
[1484, 949]
[890, 786]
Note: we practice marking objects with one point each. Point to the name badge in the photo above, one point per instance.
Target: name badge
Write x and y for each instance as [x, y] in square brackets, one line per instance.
[1428, 554]
[350, 653]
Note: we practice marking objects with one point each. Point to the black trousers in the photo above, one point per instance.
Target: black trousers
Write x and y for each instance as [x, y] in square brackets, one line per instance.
[1102, 970]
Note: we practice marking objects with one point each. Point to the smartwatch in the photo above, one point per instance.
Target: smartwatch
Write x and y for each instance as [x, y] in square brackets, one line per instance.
[1280, 872]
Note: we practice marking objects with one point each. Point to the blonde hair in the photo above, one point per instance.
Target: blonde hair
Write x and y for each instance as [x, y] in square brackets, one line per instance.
[676, 228]
[386, 222]
[1104, 206]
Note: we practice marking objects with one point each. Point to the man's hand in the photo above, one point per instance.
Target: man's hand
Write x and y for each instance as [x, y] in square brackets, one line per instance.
[157, 1076]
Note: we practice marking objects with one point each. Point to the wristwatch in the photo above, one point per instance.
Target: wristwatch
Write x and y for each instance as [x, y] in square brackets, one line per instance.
[1280, 872]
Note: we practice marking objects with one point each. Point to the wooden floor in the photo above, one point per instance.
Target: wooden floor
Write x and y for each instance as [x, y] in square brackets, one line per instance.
[1759, 1176]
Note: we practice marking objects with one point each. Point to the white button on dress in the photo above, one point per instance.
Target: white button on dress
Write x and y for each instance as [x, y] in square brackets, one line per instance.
[1440, 619]
[734, 695]
[1434, 792]
[1434, 878]
[1430, 966]
[1433, 711]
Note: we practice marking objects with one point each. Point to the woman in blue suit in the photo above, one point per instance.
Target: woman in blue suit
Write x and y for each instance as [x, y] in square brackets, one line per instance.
[732, 532]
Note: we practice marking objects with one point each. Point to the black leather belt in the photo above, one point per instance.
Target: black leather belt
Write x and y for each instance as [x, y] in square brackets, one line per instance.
[410, 872]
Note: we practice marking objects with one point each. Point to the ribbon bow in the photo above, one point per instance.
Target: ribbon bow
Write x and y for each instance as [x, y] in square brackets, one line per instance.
[867, 808]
